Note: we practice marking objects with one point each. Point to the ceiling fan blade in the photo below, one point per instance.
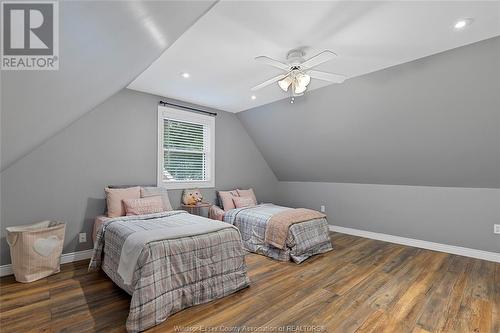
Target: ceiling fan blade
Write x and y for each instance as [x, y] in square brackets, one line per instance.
[331, 77]
[272, 62]
[318, 59]
[268, 82]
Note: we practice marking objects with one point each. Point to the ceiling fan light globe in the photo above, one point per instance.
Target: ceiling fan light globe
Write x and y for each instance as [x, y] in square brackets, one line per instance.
[285, 83]
[303, 80]
[299, 89]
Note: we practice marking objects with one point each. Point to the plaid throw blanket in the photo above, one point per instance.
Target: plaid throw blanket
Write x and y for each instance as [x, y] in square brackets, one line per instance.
[171, 274]
[304, 239]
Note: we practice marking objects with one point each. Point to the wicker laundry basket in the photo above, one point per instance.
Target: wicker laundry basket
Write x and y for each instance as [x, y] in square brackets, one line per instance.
[36, 249]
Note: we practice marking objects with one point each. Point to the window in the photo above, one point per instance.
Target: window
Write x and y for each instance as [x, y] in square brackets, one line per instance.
[186, 149]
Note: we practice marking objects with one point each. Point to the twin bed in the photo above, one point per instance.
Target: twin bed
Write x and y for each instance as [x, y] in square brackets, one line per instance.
[171, 260]
[302, 240]
[184, 260]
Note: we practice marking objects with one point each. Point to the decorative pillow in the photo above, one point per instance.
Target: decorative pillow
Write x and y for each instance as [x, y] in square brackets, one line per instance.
[247, 193]
[114, 197]
[241, 202]
[226, 199]
[153, 191]
[143, 206]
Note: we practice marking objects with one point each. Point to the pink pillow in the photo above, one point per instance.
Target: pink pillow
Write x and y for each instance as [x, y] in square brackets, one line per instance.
[241, 202]
[143, 206]
[114, 197]
[248, 193]
[226, 199]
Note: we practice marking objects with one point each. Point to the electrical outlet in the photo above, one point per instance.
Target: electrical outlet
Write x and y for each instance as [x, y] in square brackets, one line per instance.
[322, 208]
[496, 228]
[82, 237]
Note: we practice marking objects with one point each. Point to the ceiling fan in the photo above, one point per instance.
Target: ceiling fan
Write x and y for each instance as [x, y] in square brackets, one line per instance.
[299, 71]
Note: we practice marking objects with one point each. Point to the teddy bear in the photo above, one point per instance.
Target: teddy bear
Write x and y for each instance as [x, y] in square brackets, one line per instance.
[191, 197]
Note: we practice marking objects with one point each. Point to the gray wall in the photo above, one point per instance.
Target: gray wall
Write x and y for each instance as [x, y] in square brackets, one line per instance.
[96, 61]
[115, 143]
[447, 215]
[433, 122]
[430, 122]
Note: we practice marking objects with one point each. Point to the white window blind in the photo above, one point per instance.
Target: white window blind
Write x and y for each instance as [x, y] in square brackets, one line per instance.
[186, 152]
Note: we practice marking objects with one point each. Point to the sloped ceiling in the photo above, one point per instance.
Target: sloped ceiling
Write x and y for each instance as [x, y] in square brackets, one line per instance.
[219, 49]
[430, 122]
[104, 45]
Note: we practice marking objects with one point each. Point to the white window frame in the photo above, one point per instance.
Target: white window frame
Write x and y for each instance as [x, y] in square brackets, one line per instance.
[186, 116]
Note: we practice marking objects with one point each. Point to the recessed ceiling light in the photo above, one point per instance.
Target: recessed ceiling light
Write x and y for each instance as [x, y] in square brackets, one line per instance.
[462, 24]
[185, 75]
[253, 97]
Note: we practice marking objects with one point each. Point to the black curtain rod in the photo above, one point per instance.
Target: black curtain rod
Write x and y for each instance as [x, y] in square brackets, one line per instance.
[188, 108]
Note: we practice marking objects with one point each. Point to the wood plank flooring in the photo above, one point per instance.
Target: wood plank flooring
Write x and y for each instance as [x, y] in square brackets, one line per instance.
[362, 286]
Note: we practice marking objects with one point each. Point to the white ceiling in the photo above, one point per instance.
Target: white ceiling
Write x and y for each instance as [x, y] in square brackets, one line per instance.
[218, 50]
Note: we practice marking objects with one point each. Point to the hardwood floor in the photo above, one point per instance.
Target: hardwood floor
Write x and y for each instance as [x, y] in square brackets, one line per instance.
[361, 286]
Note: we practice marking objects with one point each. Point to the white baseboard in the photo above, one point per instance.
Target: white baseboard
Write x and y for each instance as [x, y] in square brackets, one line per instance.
[458, 250]
[65, 258]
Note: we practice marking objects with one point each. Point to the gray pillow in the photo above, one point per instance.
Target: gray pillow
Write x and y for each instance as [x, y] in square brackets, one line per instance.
[151, 191]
